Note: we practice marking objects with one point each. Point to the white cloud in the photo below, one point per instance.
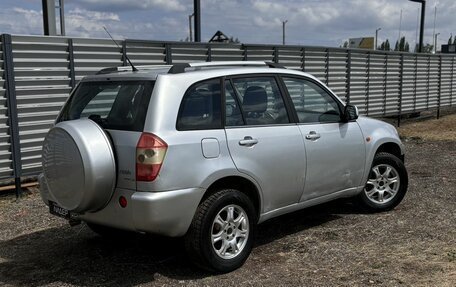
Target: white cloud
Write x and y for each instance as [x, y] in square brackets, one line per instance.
[168, 5]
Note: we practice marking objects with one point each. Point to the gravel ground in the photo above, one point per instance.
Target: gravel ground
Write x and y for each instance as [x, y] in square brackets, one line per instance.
[328, 245]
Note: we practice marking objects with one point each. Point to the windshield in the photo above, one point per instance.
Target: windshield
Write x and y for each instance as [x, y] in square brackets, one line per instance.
[120, 105]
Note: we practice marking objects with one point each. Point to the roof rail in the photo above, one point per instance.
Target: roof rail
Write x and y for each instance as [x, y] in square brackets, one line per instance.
[180, 68]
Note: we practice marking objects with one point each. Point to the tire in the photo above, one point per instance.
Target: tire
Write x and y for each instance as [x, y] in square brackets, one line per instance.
[386, 185]
[199, 239]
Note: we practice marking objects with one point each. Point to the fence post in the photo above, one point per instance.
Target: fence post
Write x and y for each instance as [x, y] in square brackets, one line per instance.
[244, 47]
[348, 76]
[303, 59]
[401, 86]
[71, 63]
[10, 91]
[168, 56]
[415, 81]
[385, 84]
[439, 86]
[451, 83]
[327, 67]
[428, 82]
[368, 83]
[209, 53]
[124, 52]
[276, 54]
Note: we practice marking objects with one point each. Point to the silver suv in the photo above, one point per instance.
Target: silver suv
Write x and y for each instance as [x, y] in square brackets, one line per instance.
[209, 150]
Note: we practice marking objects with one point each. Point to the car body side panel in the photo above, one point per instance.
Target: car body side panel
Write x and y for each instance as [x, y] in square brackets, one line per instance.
[185, 165]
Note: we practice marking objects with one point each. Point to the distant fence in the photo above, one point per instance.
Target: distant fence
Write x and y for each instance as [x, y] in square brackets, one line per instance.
[39, 72]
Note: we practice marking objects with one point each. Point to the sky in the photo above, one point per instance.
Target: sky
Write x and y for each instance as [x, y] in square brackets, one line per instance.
[310, 22]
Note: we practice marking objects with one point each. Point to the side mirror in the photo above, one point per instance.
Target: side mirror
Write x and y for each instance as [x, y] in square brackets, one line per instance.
[351, 113]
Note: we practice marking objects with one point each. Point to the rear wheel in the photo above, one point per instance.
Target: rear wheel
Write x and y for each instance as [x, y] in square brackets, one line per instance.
[386, 185]
[221, 235]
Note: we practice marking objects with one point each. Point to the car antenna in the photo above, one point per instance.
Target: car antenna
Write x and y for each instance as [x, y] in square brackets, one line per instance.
[126, 57]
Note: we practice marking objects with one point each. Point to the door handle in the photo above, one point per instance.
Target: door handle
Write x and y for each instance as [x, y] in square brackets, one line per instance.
[248, 141]
[312, 135]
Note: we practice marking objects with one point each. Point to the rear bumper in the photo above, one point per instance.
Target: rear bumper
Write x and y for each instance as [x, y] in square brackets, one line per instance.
[168, 213]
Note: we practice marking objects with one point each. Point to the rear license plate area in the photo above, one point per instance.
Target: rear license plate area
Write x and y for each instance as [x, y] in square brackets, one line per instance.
[59, 211]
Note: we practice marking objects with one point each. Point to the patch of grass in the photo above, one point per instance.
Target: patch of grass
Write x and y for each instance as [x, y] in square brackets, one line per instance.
[443, 129]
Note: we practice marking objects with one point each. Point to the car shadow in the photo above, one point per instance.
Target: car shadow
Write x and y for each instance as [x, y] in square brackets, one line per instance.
[65, 255]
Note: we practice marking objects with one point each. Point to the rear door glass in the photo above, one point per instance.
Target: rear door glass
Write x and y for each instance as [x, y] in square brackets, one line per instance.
[119, 105]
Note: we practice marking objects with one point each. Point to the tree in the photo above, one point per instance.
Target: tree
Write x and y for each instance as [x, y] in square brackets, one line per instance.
[384, 46]
[232, 40]
[450, 40]
[345, 45]
[454, 43]
[428, 48]
[402, 45]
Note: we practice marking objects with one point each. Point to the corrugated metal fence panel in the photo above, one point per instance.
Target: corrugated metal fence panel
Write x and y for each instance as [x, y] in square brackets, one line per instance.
[5, 152]
[92, 55]
[290, 57]
[359, 80]
[315, 62]
[42, 86]
[184, 53]
[337, 72]
[226, 52]
[392, 85]
[445, 82]
[378, 83]
[410, 86]
[260, 53]
[146, 53]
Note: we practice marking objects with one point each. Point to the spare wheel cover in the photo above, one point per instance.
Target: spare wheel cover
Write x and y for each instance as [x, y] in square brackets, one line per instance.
[79, 165]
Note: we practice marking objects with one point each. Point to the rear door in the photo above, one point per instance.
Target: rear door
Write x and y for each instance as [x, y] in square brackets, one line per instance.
[335, 149]
[262, 141]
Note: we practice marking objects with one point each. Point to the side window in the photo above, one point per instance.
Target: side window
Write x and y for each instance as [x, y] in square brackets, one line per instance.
[261, 101]
[200, 107]
[312, 103]
[232, 109]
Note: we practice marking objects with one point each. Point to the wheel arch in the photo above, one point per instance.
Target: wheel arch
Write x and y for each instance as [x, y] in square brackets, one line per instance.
[392, 148]
[244, 185]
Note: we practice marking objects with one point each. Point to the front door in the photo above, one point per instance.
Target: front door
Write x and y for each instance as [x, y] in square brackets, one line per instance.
[335, 149]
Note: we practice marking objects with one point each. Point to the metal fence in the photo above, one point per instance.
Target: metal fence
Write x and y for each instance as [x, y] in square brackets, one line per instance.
[39, 72]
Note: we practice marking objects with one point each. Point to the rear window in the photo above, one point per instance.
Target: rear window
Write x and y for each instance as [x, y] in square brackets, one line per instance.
[119, 105]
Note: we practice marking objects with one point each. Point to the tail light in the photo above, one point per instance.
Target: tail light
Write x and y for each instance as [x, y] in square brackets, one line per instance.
[150, 152]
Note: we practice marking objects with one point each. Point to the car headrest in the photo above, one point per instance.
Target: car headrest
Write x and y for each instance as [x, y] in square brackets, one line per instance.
[255, 100]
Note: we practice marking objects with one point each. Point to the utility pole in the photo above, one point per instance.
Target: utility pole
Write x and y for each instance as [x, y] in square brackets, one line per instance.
[283, 31]
[376, 37]
[197, 15]
[423, 13]
[435, 42]
[400, 28]
[433, 31]
[62, 18]
[49, 17]
[190, 26]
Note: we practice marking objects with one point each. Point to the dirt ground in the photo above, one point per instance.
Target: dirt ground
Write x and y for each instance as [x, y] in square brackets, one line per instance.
[329, 245]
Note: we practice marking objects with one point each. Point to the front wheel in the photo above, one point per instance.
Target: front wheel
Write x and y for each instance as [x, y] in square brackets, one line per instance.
[221, 235]
[386, 185]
